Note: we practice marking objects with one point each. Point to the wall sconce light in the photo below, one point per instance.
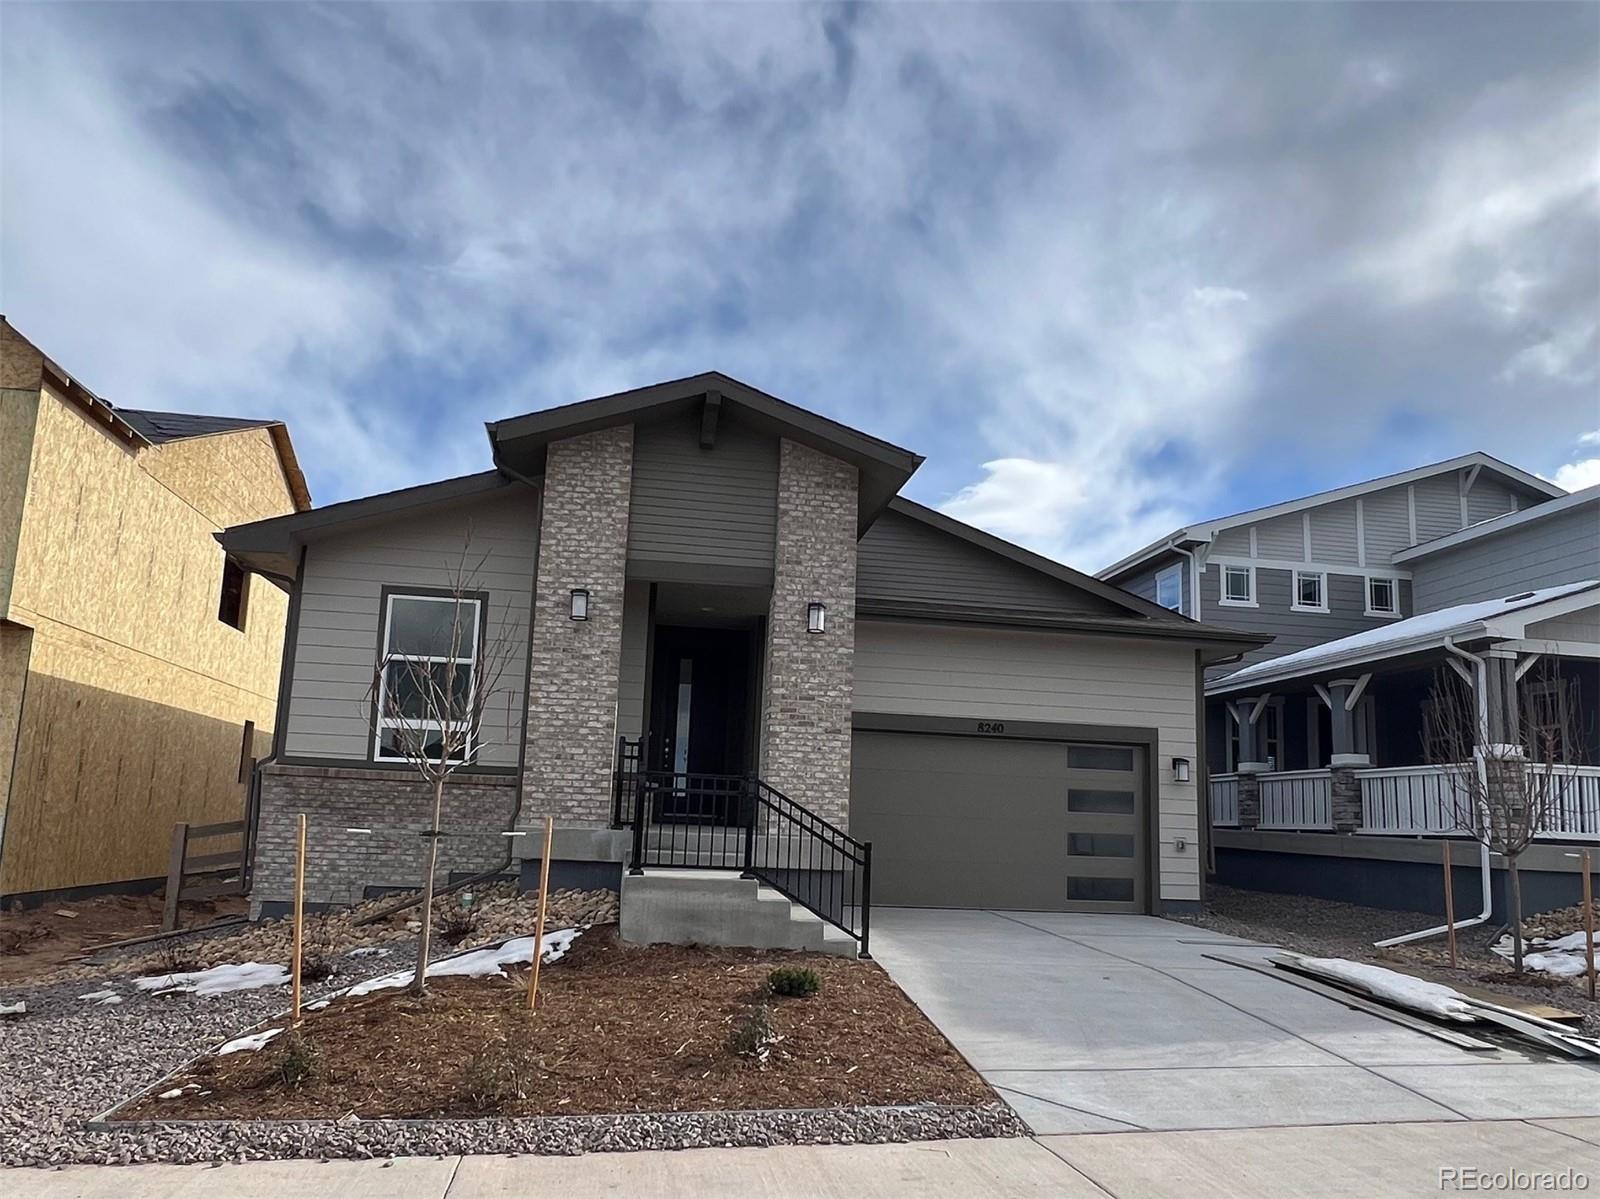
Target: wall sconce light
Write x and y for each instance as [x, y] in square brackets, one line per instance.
[1180, 769]
[816, 617]
[580, 604]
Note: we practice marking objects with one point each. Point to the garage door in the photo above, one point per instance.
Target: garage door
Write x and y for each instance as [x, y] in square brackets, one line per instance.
[991, 822]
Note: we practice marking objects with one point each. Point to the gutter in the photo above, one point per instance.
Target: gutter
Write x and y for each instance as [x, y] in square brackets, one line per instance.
[1480, 669]
[1194, 574]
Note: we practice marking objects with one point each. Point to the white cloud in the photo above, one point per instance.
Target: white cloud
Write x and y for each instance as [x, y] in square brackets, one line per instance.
[1575, 476]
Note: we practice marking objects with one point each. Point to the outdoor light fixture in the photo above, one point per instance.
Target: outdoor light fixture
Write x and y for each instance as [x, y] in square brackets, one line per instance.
[580, 604]
[1180, 769]
[816, 617]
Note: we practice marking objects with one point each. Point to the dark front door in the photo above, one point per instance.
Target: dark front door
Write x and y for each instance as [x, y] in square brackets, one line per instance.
[699, 717]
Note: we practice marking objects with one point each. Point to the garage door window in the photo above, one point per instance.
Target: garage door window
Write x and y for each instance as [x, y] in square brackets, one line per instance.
[1113, 890]
[1090, 799]
[1100, 757]
[1100, 845]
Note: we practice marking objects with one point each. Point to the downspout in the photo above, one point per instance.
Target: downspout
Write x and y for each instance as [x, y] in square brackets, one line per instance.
[1194, 575]
[1480, 687]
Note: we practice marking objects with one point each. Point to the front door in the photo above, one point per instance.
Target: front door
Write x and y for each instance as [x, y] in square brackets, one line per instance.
[699, 717]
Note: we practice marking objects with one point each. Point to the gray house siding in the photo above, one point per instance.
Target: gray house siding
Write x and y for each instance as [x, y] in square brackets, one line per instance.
[1289, 629]
[990, 674]
[1385, 524]
[335, 651]
[1564, 548]
[1143, 581]
[901, 558]
[693, 507]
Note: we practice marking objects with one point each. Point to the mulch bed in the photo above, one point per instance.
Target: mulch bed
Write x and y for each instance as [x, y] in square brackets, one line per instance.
[620, 1028]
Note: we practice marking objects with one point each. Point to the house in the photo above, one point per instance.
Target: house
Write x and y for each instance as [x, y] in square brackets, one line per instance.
[138, 666]
[1325, 734]
[720, 602]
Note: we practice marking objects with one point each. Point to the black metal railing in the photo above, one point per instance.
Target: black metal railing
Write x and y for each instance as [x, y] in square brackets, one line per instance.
[737, 822]
[625, 780]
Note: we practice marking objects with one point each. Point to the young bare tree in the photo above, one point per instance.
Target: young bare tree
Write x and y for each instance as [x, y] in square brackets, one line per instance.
[440, 673]
[1505, 789]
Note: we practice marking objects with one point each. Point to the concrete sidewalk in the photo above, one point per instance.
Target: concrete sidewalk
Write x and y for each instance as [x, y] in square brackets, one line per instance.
[1376, 1161]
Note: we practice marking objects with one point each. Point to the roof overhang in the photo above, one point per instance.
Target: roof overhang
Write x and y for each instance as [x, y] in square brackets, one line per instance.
[1400, 648]
[520, 443]
[271, 547]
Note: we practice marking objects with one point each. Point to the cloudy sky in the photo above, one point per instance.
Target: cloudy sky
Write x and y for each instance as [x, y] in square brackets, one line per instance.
[1110, 268]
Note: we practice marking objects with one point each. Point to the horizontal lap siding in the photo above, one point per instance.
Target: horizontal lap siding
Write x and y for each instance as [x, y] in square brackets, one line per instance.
[1333, 534]
[1386, 524]
[716, 507]
[1143, 583]
[1438, 506]
[901, 558]
[1564, 548]
[335, 652]
[1489, 499]
[1289, 629]
[927, 670]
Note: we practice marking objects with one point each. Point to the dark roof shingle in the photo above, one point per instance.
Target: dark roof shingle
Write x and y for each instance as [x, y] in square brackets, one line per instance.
[161, 427]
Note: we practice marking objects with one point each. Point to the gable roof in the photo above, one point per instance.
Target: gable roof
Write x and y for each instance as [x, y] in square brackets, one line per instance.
[1129, 615]
[1206, 530]
[1507, 617]
[1500, 524]
[158, 428]
[520, 442]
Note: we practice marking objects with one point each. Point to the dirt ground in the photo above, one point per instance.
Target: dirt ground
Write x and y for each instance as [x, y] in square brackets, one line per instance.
[620, 1028]
[37, 943]
[1325, 928]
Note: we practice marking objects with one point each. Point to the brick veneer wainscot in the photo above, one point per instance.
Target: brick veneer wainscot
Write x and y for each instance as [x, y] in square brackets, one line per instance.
[396, 805]
[575, 666]
[810, 678]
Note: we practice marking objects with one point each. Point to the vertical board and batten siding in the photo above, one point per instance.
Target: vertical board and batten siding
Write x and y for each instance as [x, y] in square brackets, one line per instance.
[1489, 499]
[693, 506]
[1282, 537]
[1564, 548]
[1438, 501]
[1385, 524]
[1333, 534]
[336, 651]
[992, 674]
[901, 558]
[1289, 629]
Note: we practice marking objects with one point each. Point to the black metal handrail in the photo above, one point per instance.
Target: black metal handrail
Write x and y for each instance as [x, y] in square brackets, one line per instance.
[736, 822]
[625, 780]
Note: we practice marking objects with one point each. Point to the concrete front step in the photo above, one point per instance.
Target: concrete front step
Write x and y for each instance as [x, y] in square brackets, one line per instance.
[717, 907]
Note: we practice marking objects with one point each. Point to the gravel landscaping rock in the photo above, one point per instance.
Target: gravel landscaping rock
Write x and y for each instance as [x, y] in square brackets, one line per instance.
[70, 1060]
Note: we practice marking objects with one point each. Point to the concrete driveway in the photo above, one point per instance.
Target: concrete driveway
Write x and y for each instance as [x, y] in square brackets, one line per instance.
[1093, 1024]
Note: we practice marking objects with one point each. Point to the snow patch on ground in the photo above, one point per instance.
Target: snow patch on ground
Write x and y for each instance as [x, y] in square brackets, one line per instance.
[1417, 994]
[367, 951]
[1562, 958]
[479, 963]
[105, 996]
[219, 980]
[249, 1043]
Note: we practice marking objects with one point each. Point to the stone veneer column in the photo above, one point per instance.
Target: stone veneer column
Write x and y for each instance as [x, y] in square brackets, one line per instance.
[1249, 799]
[574, 665]
[1344, 798]
[810, 677]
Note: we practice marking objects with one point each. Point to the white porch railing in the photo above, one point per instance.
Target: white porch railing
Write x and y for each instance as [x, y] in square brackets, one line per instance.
[1296, 799]
[1408, 800]
[1577, 812]
[1225, 800]
[1424, 800]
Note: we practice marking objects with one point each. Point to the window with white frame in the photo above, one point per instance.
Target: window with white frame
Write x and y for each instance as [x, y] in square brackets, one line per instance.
[1169, 587]
[1238, 585]
[1383, 596]
[1310, 591]
[426, 689]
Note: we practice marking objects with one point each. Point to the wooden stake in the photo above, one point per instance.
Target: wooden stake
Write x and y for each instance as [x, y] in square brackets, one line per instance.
[544, 895]
[299, 917]
[1449, 905]
[1588, 921]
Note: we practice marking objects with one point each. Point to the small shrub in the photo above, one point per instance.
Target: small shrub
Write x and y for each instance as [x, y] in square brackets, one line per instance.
[752, 1036]
[297, 1059]
[456, 924]
[797, 982]
[498, 1074]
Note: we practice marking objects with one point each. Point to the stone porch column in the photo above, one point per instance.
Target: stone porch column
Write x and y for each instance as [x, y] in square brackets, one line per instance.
[575, 665]
[1344, 785]
[810, 677]
[1249, 798]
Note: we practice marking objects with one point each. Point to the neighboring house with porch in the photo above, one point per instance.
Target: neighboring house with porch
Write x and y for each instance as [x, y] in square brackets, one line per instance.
[138, 667]
[736, 646]
[1321, 782]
